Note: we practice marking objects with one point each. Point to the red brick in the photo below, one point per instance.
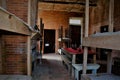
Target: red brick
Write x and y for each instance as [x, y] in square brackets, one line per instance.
[15, 59]
[19, 8]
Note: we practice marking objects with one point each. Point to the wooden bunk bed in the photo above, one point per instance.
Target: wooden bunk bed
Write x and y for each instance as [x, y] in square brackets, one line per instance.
[108, 40]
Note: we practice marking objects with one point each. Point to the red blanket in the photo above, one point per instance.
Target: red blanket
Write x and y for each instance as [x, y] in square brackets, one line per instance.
[78, 51]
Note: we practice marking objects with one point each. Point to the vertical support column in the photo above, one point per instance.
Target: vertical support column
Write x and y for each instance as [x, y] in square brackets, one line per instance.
[28, 41]
[43, 39]
[81, 29]
[109, 63]
[86, 35]
[111, 25]
[41, 33]
[3, 3]
[32, 12]
[29, 12]
[111, 15]
[94, 58]
[28, 57]
[73, 59]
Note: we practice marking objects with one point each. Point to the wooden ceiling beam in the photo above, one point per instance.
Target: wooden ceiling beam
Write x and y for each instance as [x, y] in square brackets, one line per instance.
[63, 2]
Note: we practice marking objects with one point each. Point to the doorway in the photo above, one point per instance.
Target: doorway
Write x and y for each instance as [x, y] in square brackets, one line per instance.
[49, 41]
[75, 35]
[76, 31]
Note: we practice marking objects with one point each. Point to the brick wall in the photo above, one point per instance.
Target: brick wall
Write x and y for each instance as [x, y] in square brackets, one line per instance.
[117, 15]
[15, 54]
[99, 16]
[19, 8]
[56, 19]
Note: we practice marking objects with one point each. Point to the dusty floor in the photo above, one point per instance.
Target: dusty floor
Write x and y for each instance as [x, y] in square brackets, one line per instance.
[104, 77]
[15, 77]
[51, 68]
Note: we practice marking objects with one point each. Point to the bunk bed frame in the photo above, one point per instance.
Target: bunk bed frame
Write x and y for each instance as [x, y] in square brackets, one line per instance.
[109, 40]
[12, 24]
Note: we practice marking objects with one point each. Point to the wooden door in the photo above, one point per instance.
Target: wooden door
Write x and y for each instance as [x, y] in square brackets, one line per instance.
[49, 41]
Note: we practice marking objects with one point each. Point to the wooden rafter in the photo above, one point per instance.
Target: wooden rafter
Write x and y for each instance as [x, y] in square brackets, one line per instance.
[63, 2]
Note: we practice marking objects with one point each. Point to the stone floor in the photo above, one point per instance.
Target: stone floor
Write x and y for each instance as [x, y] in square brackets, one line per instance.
[15, 77]
[104, 77]
[51, 68]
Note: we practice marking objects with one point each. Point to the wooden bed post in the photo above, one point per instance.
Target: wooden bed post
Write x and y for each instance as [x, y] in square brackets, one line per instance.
[86, 35]
[3, 3]
[81, 31]
[94, 58]
[28, 41]
[28, 57]
[29, 12]
[111, 15]
[111, 25]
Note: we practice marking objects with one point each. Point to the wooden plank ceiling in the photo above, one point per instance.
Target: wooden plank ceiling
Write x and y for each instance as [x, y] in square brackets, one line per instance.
[65, 5]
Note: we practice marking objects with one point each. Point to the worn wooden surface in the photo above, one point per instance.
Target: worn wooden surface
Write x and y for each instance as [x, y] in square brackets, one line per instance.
[109, 41]
[10, 22]
[100, 77]
[86, 35]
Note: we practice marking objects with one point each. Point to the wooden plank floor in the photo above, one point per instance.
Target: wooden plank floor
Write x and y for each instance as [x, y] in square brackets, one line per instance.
[51, 68]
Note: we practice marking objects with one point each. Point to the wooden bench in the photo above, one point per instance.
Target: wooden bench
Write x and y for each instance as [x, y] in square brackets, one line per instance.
[67, 62]
[69, 58]
[79, 67]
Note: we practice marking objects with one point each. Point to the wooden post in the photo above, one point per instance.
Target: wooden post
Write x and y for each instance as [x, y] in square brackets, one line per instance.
[109, 62]
[86, 35]
[111, 15]
[3, 4]
[28, 57]
[111, 25]
[28, 41]
[94, 58]
[73, 59]
[29, 12]
[41, 33]
[81, 29]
